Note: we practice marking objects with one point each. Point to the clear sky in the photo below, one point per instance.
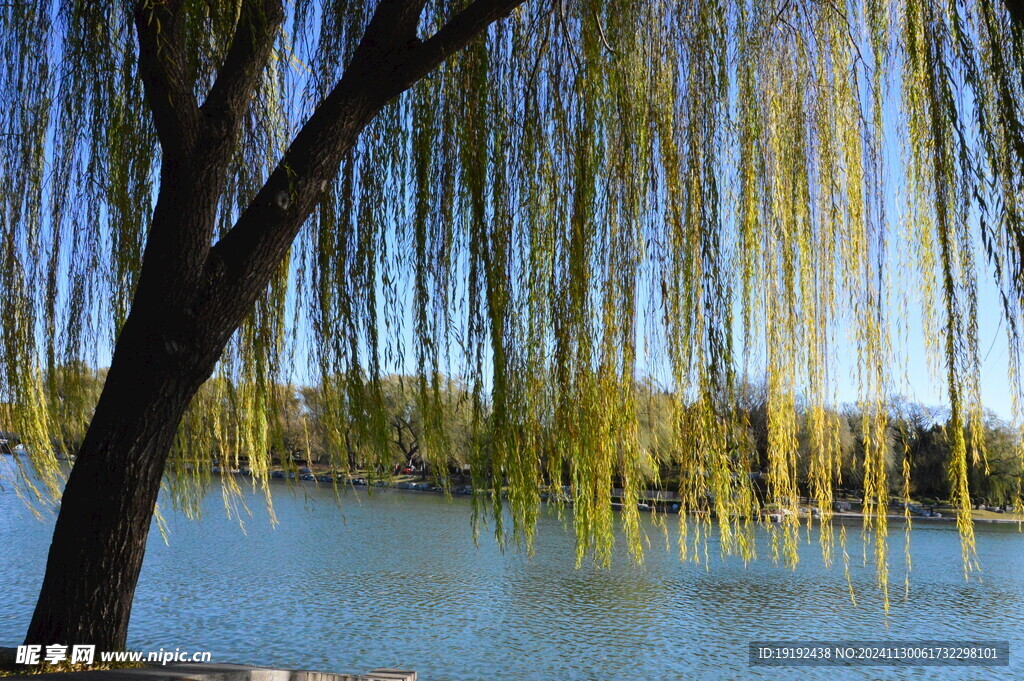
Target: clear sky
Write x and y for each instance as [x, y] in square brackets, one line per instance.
[920, 385]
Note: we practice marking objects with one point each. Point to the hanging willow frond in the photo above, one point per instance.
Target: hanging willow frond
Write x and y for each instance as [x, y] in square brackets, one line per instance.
[593, 191]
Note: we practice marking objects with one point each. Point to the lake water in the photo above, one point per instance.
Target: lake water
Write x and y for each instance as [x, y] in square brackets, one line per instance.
[394, 579]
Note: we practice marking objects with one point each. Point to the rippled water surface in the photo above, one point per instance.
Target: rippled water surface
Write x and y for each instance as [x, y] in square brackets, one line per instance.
[394, 579]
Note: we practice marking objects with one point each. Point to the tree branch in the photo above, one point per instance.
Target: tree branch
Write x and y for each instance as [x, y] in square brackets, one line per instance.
[453, 36]
[388, 60]
[237, 78]
[1016, 10]
[394, 24]
[161, 67]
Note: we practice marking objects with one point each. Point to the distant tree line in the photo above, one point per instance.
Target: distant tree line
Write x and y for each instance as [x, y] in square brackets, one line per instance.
[916, 433]
[307, 430]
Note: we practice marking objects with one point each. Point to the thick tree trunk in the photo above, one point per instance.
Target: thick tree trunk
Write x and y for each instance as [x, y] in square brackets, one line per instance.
[106, 510]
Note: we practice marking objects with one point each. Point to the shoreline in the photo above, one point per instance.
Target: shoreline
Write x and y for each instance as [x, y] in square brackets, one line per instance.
[653, 501]
[648, 504]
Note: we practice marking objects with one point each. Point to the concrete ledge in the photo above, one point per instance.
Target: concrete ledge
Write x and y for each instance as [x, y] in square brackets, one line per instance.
[390, 675]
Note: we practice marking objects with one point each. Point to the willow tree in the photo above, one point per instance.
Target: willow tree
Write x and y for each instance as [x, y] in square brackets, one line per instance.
[543, 198]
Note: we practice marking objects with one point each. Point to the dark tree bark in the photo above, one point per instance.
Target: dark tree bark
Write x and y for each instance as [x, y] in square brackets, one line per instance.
[1016, 9]
[191, 297]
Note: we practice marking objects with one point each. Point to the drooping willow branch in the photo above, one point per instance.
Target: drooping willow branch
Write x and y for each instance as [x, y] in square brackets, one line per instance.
[591, 191]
